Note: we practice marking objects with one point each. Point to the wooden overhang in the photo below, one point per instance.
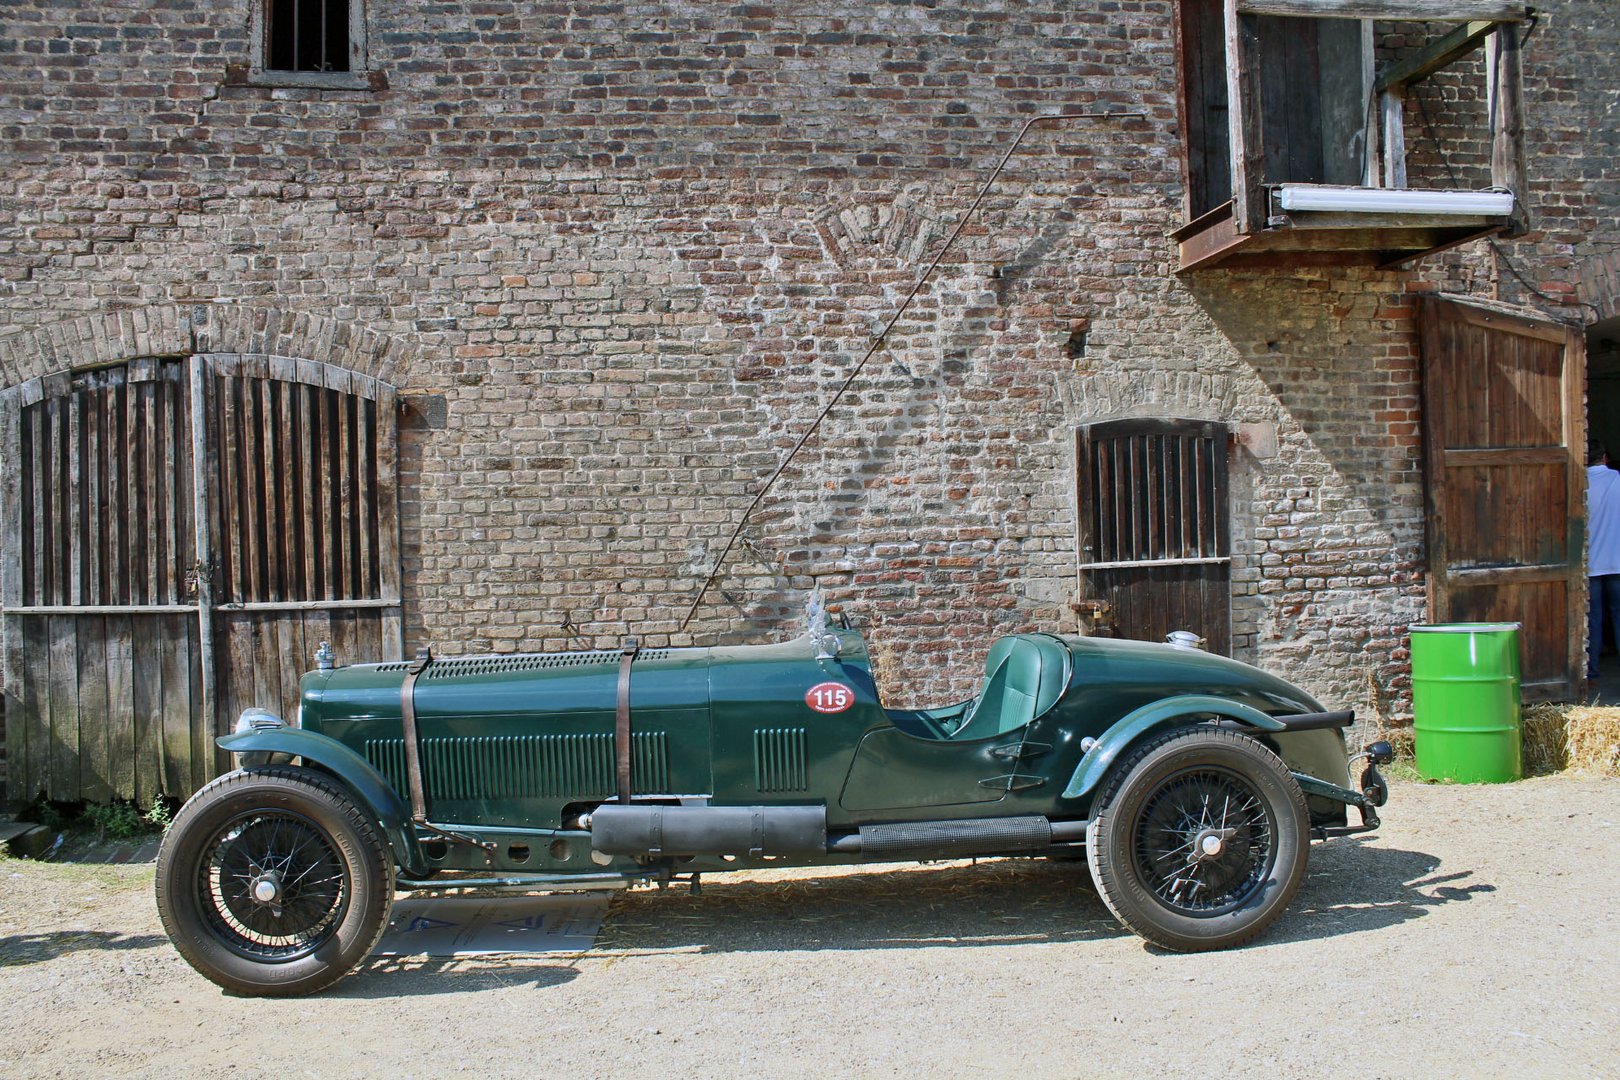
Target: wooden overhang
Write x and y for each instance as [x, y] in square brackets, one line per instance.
[1381, 221]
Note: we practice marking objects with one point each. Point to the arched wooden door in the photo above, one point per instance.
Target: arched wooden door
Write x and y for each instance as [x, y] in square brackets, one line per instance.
[179, 534]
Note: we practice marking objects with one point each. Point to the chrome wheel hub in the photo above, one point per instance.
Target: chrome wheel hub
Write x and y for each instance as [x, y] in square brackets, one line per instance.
[267, 890]
[1209, 844]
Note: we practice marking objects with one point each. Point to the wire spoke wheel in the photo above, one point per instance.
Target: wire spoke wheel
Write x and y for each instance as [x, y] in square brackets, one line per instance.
[274, 881]
[1203, 842]
[1198, 839]
[273, 886]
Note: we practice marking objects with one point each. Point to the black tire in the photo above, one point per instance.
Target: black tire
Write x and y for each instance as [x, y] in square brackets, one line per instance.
[1198, 839]
[324, 877]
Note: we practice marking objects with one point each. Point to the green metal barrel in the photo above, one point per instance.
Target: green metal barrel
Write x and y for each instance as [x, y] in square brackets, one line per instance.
[1465, 702]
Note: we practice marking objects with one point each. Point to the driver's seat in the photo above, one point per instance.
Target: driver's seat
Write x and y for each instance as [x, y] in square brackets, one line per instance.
[1025, 674]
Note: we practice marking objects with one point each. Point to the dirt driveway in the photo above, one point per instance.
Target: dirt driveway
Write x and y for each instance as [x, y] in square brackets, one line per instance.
[1475, 936]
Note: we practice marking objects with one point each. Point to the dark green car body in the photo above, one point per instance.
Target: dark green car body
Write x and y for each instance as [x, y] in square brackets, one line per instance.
[516, 752]
[1192, 785]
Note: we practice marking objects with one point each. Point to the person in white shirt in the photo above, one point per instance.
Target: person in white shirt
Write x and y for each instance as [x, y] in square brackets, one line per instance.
[1603, 552]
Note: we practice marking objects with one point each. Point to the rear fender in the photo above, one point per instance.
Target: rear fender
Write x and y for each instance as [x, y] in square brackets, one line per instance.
[368, 785]
[1164, 713]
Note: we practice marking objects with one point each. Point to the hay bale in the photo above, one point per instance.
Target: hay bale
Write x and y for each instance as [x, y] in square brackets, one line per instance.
[1545, 739]
[1593, 736]
[1555, 737]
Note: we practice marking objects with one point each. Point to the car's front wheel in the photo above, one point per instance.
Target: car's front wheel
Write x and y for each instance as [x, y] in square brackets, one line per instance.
[1198, 839]
[273, 882]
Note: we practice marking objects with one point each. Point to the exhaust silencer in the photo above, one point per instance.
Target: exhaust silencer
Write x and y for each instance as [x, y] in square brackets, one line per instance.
[709, 830]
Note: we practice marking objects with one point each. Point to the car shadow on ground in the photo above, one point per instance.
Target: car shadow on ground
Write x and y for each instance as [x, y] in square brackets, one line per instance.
[993, 903]
[1352, 887]
[22, 949]
[1356, 885]
[418, 976]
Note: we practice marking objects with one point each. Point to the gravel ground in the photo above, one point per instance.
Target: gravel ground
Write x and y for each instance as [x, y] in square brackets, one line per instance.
[1475, 935]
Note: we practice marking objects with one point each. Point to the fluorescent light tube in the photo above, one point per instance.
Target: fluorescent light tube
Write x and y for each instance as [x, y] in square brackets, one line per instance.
[1358, 200]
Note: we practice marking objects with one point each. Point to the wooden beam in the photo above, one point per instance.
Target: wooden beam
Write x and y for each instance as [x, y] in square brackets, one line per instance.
[1476, 576]
[1513, 455]
[11, 518]
[1392, 10]
[1503, 317]
[1243, 118]
[1371, 158]
[1575, 383]
[1392, 107]
[202, 476]
[1439, 53]
[12, 666]
[1504, 89]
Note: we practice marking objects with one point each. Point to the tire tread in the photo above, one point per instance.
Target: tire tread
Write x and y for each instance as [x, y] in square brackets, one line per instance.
[171, 894]
[1115, 892]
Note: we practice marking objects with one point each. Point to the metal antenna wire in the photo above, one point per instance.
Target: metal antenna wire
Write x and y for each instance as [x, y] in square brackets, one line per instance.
[877, 341]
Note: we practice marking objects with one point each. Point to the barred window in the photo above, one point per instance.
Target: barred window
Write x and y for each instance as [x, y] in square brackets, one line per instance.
[307, 35]
[315, 43]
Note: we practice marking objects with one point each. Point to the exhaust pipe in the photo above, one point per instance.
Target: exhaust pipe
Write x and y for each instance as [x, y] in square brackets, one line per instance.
[974, 836]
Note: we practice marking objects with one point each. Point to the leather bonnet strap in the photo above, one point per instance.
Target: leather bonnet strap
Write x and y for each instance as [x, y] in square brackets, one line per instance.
[413, 753]
[621, 728]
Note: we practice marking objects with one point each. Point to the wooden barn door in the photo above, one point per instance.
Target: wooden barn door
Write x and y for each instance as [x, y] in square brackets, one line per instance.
[1155, 555]
[303, 508]
[1503, 445]
[103, 682]
[178, 536]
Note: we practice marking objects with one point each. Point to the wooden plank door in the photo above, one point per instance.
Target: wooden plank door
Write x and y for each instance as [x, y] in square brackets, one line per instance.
[1155, 551]
[179, 535]
[303, 508]
[1503, 437]
[103, 677]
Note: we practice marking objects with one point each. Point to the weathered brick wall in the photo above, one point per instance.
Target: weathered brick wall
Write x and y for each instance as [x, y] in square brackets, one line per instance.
[632, 247]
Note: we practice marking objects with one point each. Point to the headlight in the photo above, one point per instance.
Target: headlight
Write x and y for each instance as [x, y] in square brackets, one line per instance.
[258, 720]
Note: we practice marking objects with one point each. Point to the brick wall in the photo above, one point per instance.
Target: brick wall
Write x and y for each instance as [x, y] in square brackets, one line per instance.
[618, 255]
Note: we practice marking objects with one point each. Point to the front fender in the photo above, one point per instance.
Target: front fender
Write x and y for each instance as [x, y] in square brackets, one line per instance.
[1162, 713]
[355, 771]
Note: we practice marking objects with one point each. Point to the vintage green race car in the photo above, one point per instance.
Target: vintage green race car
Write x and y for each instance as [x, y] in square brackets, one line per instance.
[1193, 784]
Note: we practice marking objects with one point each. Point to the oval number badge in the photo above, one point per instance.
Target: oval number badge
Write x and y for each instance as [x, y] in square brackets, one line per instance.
[829, 697]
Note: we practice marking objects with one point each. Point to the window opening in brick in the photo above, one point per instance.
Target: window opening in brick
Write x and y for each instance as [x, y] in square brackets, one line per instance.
[1313, 102]
[1294, 128]
[307, 35]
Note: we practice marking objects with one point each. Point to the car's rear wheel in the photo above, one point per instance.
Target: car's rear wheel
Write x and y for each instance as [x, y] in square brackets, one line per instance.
[273, 882]
[1198, 839]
